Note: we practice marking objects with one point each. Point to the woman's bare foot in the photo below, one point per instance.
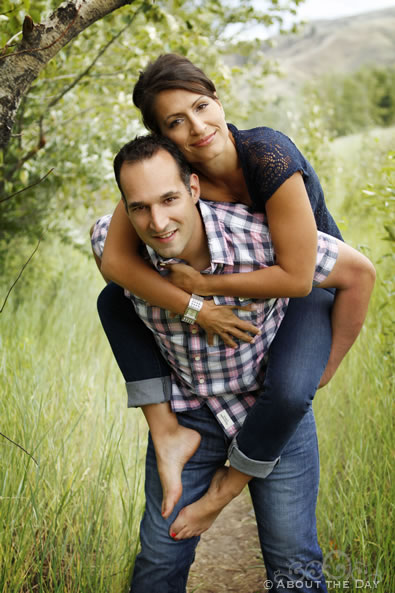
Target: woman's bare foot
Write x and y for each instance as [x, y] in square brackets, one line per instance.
[197, 517]
[172, 451]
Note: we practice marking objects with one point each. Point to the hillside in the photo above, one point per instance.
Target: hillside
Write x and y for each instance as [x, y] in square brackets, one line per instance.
[340, 45]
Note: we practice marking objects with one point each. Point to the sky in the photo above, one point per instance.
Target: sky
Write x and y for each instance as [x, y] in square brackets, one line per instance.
[312, 10]
[332, 9]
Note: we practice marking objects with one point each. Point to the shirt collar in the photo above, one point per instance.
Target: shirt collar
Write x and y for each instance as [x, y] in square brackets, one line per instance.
[216, 237]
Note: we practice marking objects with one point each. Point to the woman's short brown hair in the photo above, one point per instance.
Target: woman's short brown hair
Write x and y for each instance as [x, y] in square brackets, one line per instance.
[169, 71]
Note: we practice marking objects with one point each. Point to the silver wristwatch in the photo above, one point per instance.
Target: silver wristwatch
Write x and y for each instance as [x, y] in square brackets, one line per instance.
[193, 308]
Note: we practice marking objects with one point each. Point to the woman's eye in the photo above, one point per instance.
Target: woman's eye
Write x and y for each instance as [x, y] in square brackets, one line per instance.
[175, 123]
[202, 106]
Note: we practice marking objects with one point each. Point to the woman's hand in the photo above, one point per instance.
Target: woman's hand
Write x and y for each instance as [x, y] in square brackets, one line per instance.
[220, 320]
[184, 277]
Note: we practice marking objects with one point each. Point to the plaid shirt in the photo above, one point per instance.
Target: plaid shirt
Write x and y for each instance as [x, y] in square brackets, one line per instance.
[226, 379]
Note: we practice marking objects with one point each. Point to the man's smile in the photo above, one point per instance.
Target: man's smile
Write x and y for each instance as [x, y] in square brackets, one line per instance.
[165, 237]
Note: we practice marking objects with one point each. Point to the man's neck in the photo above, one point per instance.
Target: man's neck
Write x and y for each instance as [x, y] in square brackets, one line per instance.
[197, 255]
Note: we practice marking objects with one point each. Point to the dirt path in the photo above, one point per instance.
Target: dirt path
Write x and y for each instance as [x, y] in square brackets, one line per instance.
[228, 558]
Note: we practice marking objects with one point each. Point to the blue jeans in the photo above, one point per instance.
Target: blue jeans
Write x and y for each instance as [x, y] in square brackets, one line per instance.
[297, 359]
[284, 505]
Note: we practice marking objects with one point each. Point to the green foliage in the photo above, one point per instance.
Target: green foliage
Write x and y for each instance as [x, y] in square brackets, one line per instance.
[80, 111]
[357, 101]
[13, 13]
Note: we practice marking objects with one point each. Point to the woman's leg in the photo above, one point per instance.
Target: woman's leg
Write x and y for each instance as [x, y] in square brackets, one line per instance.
[163, 563]
[297, 359]
[146, 373]
[147, 377]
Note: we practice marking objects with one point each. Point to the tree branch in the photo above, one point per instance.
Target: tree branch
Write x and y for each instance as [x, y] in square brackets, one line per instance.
[27, 187]
[17, 72]
[89, 68]
[28, 28]
[19, 275]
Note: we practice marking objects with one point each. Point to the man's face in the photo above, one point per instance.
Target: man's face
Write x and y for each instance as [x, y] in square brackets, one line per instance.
[160, 207]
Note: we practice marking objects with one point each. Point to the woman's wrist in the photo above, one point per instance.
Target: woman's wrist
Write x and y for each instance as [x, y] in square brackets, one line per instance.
[201, 285]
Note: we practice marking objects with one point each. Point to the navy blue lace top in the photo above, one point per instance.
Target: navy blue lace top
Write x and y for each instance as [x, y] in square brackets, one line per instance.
[268, 158]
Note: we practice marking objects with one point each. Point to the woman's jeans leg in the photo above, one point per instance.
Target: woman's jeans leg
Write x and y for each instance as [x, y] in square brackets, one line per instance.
[145, 371]
[284, 505]
[297, 359]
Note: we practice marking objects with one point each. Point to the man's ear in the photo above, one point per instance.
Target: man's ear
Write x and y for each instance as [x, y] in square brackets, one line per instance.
[195, 187]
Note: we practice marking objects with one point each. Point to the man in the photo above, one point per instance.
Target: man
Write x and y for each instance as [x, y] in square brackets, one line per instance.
[214, 386]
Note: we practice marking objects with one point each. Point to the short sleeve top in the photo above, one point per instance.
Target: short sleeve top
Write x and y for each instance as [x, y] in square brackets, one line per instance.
[268, 158]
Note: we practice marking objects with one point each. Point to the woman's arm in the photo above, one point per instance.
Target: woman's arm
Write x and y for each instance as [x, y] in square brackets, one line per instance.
[122, 264]
[294, 236]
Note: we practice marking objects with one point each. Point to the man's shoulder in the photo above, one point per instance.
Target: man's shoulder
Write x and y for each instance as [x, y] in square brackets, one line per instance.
[233, 215]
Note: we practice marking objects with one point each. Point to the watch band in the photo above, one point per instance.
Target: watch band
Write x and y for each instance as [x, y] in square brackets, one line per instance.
[193, 308]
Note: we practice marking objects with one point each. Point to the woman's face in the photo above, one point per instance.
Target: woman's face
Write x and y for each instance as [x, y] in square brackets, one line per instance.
[196, 123]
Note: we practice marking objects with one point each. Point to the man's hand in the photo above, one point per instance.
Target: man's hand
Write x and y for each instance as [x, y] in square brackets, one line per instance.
[327, 375]
[220, 320]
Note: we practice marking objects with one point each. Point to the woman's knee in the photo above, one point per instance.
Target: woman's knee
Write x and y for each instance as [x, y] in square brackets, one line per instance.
[293, 392]
[111, 300]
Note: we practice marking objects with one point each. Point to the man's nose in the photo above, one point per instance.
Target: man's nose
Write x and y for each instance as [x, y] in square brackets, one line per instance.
[159, 219]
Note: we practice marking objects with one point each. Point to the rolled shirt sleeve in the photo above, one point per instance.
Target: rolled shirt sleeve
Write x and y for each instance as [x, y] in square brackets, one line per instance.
[327, 252]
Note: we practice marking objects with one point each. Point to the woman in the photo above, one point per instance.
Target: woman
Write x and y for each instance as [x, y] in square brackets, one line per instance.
[261, 168]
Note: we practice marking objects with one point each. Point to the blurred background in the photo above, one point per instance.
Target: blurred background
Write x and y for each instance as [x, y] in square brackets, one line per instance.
[323, 73]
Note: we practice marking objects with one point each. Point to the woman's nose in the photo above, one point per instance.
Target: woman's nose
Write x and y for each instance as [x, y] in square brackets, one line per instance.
[197, 125]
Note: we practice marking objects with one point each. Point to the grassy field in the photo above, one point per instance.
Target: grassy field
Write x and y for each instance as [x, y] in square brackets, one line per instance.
[70, 510]
[69, 518]
[355, 411]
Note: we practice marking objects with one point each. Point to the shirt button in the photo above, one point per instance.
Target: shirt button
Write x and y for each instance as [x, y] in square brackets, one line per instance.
[201, 380]
[194, 329]
[197, 357]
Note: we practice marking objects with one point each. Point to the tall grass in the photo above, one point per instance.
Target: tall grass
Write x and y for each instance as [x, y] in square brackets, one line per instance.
[70, 521]
[355, 411]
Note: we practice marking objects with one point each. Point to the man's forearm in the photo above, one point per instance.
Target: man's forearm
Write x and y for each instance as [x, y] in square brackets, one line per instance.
[348, 315]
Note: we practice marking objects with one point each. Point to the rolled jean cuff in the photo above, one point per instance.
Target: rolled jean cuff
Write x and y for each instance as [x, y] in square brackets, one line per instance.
[148, 391]
[251, 467]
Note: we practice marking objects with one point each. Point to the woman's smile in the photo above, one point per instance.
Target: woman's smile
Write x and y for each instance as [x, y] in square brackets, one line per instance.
[205, 141]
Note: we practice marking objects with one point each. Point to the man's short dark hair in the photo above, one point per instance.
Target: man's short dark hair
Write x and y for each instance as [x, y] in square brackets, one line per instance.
[145, 147]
